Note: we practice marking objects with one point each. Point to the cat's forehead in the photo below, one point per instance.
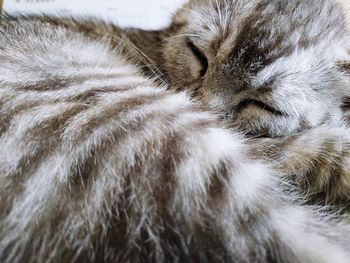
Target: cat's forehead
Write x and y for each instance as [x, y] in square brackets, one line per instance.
[269, 40]
[264, 25]
[212, 19]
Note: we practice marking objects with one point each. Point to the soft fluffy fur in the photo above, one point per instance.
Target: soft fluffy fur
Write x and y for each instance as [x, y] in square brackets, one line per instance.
[101, 162]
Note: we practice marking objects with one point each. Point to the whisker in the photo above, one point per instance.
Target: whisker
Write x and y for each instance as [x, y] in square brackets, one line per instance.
[124, 41]
[176, 36]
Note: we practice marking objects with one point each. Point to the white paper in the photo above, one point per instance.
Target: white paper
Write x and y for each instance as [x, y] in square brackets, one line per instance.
[147, 14]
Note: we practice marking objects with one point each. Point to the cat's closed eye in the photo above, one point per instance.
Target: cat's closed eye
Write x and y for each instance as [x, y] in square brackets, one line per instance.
[199, 55]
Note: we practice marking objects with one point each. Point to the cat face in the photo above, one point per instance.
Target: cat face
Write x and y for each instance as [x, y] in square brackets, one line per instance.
[268, 66]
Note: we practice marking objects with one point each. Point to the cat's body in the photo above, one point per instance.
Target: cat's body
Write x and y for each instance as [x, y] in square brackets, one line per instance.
[99, 162]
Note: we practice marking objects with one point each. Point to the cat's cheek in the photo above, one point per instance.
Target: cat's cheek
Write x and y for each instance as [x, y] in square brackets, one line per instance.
[183, 69]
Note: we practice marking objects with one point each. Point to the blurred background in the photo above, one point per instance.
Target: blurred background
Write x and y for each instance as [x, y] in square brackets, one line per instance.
[146, 14]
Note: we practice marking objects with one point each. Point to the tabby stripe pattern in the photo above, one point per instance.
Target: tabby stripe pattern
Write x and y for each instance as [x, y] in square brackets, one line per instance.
[98, 163]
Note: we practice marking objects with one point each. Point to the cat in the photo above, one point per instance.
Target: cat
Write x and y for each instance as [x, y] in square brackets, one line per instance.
[118, 146]
[277, 81]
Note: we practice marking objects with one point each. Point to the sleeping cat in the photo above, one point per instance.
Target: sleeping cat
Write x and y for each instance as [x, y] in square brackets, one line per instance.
[269, 78]
[104, 158]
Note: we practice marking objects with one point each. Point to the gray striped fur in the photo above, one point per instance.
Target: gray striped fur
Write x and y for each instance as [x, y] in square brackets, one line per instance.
[100, 162]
